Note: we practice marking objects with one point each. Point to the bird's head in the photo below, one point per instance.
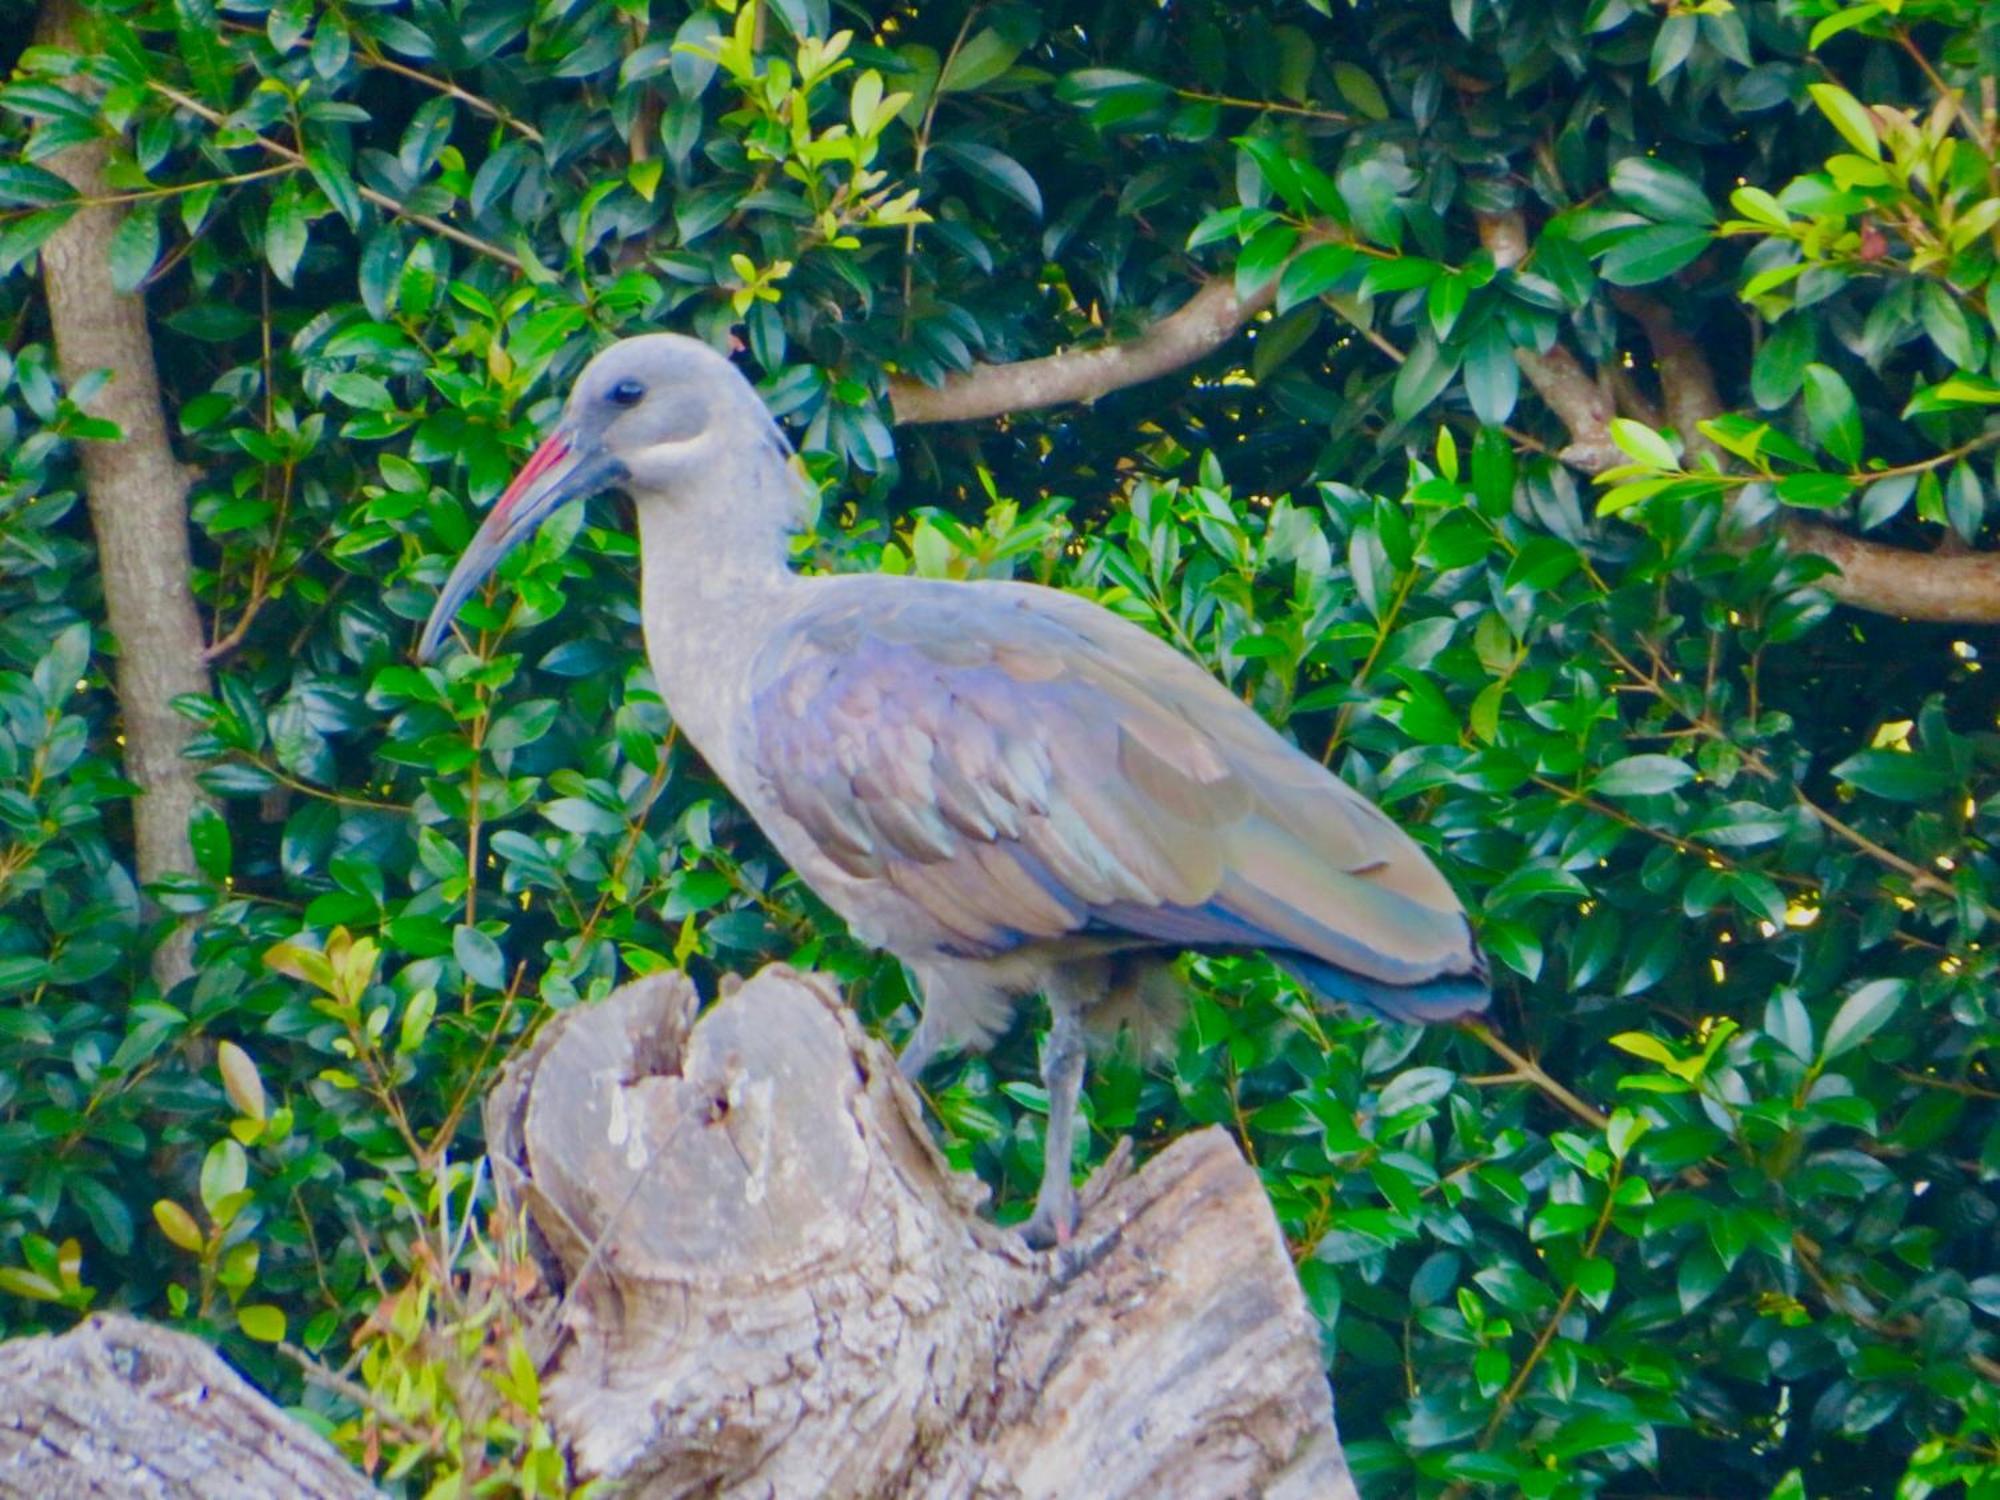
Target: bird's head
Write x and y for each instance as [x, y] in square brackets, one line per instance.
[654, 415]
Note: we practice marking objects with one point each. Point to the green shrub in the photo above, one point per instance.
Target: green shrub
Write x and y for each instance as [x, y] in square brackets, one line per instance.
[1713, 1193]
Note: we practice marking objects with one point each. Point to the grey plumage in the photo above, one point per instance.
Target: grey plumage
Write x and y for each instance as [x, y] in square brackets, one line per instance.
[1011, 789]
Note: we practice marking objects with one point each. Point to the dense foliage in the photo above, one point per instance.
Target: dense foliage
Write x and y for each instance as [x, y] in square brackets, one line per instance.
[1711, 1205]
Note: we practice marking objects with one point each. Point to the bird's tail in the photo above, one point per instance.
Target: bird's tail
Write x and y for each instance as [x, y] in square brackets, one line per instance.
[1444, 998]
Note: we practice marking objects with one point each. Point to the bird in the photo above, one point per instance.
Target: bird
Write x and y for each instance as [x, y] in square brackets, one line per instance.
[1008, 787]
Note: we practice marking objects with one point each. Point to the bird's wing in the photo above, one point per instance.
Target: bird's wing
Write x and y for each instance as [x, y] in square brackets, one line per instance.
[1025, 767]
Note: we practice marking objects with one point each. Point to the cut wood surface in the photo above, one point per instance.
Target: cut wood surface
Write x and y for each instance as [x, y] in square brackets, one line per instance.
[761, 1279]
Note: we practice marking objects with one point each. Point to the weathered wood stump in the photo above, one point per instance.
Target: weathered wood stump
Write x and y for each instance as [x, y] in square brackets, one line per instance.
[761, 1279]
[773, 1285]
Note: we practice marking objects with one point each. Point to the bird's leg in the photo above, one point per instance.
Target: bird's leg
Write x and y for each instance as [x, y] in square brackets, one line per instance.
[1054, 1219]
[919, 1051]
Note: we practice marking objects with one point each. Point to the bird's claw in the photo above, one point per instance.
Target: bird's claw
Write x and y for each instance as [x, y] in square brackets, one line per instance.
[1053, 1223]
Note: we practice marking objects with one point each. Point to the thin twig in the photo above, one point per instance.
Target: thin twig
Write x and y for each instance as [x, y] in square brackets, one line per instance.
[1916, 874]
[319, 1375]
[1528, 1071]
[452, 91]
[1837, 1299]
[382, 201]
[1267, 106]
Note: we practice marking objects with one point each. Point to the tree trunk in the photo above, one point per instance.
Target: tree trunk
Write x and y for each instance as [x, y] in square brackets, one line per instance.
[117, 1408]
[761, 1279]
[137, 497]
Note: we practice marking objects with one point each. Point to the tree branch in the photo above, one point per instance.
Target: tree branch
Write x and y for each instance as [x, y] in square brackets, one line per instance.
[1204, 323]
[1961, 587]
[1958, 587]
[1687, 384]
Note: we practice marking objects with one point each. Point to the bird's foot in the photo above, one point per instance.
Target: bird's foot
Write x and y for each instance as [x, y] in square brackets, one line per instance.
[1054, 1221]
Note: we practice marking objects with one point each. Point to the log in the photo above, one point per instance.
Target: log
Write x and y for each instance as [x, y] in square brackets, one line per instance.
[763, 1280]
[119, 1409]
[760, 1278]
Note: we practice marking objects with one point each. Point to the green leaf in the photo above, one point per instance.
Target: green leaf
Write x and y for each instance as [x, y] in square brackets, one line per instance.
[1643, 445]
[1531, 882]
[1360, 90]
[1896, 775]
[1263, 258]
[24, 236]
[1779, 368]
[135, 246]
[1424, 374]
[208, 835]
[26, 1284]
[1416, 1088]
[1445, 302]
[110, 1219]
[1815, 491]
[1492, 377]
[178, 1225]
[1965, 500]
[1832, 414]
[1885, 499]
[1672, 44]
[1371, 187]
[1642, 776]
[1959, 391]
[1848, 117]
[1516, 945]
[1828, 28]
[1493, 471]
[202, 50]
[1312, 272]
[983, 58]
[24, 185]
[224, 1171]
[479, 957]
[337, 183]
[1947, 325]
[285, 232]
[1643, 256]
[1861, 1015]
[997, 170]
[262, 1322]
[522, 724]
[1661, 192]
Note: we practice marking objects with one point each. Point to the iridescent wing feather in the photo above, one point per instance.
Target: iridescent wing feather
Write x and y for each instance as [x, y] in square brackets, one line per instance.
[1026, 768]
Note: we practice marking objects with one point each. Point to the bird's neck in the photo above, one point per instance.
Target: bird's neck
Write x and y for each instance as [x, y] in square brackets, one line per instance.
[712, 579]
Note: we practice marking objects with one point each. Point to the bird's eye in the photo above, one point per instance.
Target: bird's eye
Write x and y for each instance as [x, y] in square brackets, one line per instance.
[625, 393]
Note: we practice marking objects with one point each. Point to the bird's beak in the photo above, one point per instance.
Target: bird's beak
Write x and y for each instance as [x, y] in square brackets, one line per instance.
[559, 471]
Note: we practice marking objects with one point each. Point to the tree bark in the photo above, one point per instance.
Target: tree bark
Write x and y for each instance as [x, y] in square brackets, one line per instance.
[121, 1410]
[1201, 325]
[766, 1282]
[761, 1279]
[1957, 587]
[1946, 587]
[137, 499]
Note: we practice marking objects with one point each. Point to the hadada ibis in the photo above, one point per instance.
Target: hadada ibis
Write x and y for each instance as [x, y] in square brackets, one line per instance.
[1009, 788]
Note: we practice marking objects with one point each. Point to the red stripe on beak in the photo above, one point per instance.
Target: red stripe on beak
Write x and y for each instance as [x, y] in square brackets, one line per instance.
[554, 449]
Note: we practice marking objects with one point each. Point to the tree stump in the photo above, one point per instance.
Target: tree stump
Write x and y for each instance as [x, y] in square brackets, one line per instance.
[761, 1279]
[771, 1284]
